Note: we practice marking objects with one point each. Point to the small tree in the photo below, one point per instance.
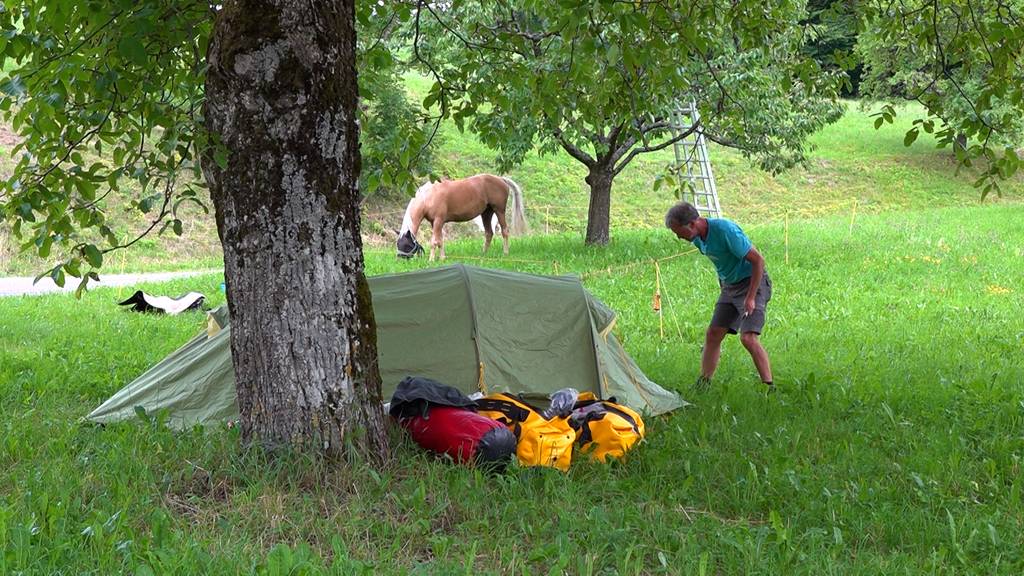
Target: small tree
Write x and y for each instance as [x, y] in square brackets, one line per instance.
[961, 62]
[393, 143]
[397, 137]
[600, 80]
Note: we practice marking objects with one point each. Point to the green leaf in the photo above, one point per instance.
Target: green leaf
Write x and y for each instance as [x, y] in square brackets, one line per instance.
[189, 198]
[73, 267]
[109, 235]
[58, 276]
[13, 87]
[41, 275]
[132, 50]
[404, 12]
[1011, 155]
[86, 189]
[92, 255]
[612, 54]
[25, 211]
[372, 183]
[81, 288]
[909, 138]
[403, 159]
[220, 156]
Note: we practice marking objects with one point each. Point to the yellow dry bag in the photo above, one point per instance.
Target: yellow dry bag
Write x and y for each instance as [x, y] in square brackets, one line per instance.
[605, 428]
[540, 441]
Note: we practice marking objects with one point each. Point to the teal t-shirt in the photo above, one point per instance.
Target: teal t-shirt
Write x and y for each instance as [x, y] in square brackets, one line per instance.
[727, 247]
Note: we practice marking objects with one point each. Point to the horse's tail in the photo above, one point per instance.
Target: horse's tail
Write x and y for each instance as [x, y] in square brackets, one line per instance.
[518, 224]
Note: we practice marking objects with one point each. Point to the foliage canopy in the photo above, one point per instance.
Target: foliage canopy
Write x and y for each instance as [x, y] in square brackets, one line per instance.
[107, 97]
[961, 60]
[603, 77]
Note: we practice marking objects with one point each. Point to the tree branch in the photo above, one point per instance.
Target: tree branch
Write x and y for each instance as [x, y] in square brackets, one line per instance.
[75, 48]
[613, 136]
[977, 28]
[941, 54]
[383, 32]
[437, 78]
[645, 149]
[70, 149]
[723, 141]
[573, 150]
[466, 42]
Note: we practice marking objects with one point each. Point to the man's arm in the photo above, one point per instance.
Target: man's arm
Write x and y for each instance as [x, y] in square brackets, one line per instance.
[755, 259]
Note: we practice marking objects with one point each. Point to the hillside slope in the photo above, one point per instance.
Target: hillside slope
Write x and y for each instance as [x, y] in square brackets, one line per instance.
[852, 169]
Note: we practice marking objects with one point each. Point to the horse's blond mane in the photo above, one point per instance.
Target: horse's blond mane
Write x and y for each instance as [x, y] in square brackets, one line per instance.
[407, 218]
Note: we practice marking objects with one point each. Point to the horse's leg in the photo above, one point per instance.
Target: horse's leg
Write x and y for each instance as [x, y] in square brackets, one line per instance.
[504, 229]
[437, 240]
[486, 216]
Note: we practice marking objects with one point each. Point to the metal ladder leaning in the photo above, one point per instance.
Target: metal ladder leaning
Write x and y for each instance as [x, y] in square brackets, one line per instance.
[694, 168]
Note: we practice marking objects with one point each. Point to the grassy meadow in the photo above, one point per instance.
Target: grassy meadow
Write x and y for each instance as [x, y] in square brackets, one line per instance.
[893, 445]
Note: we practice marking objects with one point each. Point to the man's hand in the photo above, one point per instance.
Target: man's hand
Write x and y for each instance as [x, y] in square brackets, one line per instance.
[748, 306]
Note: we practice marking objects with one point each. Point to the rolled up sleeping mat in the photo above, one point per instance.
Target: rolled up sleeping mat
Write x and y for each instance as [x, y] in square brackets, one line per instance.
[142, 302]
[466, 436]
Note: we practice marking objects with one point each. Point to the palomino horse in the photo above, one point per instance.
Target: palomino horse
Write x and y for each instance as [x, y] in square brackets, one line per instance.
[482, 195]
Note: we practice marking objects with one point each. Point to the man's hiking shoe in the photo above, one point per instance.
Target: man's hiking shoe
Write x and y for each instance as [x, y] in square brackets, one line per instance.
[769, 389]
[702, 384]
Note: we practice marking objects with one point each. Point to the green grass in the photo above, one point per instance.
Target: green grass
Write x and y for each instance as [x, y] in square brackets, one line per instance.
[893, 445]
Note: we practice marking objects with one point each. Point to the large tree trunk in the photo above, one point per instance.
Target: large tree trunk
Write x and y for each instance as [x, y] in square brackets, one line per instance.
[599, 215]
[281, 96]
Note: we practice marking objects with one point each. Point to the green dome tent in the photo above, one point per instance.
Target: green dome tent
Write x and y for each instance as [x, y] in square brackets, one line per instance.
[476, 329]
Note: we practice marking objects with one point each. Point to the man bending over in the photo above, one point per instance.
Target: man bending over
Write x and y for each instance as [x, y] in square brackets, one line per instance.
[745, 287]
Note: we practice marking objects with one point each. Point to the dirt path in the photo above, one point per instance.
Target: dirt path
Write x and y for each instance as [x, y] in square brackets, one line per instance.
[19, 286]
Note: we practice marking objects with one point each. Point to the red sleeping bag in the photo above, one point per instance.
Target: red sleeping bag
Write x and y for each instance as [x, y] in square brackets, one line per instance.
[462, 434]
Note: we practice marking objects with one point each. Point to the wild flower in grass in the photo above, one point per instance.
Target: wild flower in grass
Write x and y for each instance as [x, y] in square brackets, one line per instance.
[997, 290]
[931, 260]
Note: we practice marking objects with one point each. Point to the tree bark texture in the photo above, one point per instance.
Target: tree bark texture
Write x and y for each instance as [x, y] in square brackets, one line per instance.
[599, 215]
[281, 97]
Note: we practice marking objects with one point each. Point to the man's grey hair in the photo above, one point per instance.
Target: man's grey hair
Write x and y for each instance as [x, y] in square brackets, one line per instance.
[682, 213]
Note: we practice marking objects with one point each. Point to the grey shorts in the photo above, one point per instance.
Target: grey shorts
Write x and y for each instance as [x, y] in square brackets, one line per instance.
[729, 308]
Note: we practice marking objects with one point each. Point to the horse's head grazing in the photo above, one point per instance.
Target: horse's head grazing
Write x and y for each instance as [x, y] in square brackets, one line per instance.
[407, 246]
